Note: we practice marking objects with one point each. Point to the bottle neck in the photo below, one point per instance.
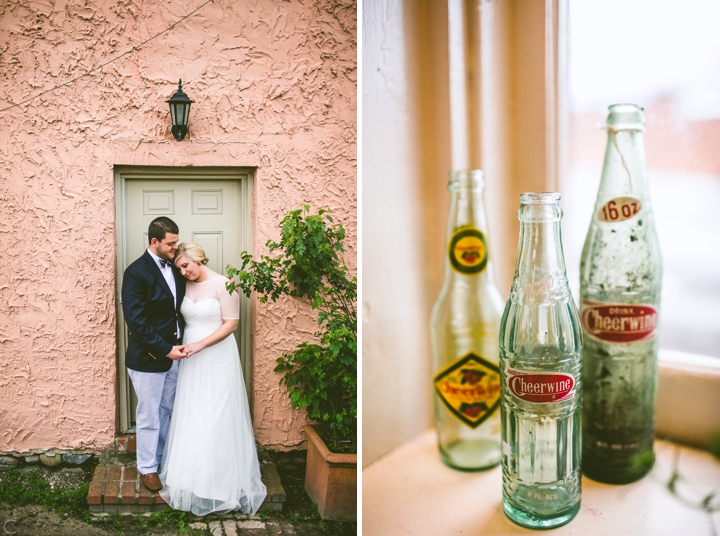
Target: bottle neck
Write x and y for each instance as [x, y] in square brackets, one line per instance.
[466, 209]
[624, 169]
[467, 254]
[540, 265]
[540, 250]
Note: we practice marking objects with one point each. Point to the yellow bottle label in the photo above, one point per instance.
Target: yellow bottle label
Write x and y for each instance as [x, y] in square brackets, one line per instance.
[470, 388]
[468, 251]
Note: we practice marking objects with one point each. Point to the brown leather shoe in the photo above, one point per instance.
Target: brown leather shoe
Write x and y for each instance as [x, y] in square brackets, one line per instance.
[151, 482]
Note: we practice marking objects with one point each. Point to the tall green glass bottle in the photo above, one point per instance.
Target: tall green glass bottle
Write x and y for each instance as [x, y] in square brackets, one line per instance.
[620, 278]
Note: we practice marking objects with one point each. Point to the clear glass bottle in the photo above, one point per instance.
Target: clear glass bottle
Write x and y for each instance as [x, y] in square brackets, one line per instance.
[541, 364]
[464, 327]
[620, 277]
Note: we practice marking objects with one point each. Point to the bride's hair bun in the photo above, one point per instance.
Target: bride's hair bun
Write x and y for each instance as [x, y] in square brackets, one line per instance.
[191, 251]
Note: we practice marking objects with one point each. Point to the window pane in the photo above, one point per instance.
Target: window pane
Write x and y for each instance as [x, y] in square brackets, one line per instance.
[666, 57]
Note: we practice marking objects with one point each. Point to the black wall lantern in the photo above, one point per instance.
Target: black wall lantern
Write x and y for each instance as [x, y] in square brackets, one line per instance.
[180, 112]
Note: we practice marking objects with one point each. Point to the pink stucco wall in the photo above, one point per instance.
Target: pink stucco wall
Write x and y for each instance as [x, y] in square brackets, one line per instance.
[275, 88]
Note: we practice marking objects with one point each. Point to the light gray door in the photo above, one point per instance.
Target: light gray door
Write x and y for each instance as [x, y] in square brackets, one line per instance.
[210, 209]
[207, 212]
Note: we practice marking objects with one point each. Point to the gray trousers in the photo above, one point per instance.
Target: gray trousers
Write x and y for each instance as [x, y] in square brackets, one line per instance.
[156, 395]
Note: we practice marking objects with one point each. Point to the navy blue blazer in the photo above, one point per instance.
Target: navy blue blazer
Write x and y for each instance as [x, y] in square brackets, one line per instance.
[151, 316]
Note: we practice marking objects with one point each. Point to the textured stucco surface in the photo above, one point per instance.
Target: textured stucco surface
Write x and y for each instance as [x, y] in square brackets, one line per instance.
[274, 84]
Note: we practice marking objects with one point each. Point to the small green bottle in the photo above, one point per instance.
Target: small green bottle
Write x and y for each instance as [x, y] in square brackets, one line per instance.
[541, 367]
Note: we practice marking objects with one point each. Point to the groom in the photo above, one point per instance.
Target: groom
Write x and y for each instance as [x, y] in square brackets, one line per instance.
[152, 292]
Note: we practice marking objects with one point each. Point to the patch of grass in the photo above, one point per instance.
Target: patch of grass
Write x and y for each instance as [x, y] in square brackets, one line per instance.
[331, 528]
[113, 522]
[296, 517]
[164, 519]
[344, 528]
[22, 488]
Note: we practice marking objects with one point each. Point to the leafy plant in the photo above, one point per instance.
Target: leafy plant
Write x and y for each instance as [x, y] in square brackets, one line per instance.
[321, 376]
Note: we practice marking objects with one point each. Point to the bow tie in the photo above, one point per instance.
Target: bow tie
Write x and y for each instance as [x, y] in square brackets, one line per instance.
[164, 263]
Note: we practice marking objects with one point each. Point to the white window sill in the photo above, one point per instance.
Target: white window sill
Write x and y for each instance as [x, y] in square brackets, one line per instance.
[410, 491]
[688, 403]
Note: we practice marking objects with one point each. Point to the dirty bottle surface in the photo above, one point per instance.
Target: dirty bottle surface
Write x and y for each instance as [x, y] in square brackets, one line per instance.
[541, 365]
[620, 278]
[464, 326]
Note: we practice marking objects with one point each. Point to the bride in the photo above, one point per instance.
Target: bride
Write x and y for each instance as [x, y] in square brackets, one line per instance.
[210, 463]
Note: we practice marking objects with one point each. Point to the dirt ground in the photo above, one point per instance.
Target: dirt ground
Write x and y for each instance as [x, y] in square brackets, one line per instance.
[34, 521]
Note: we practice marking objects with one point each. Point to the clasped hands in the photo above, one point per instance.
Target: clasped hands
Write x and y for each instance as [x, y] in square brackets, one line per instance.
[184, 351]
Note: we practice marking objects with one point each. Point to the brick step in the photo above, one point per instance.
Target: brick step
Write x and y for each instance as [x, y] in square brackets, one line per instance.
[125, 443]
[117, 488]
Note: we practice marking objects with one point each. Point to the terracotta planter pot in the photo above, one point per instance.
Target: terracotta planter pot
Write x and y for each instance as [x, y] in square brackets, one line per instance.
[330, 479]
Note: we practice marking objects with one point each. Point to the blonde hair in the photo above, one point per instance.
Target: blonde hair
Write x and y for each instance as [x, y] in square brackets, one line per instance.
[191, 251]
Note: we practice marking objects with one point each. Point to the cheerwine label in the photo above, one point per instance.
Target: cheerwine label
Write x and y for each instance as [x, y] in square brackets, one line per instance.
[619, 209]
[618, 322]
[470, 388]
[540, 387]
[468, 251]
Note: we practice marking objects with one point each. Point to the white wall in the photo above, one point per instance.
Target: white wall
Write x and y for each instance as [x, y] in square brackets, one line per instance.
[410, 141]
[404, 172]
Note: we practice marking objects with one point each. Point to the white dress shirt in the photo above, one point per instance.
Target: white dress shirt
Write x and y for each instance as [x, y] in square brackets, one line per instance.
[169, 276]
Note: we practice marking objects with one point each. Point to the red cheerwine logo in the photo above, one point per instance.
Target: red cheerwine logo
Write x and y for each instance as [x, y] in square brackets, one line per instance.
[541, 387]
[619, 322]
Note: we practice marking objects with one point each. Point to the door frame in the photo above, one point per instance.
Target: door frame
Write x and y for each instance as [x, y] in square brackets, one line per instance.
[245, 176]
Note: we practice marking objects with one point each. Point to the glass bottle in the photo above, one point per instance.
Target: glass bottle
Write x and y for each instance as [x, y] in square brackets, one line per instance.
[540, 364]
[464, 327]
[620, 275]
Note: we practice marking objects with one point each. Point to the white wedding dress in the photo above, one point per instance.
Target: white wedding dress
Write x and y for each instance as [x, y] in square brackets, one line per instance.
[210, 462]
